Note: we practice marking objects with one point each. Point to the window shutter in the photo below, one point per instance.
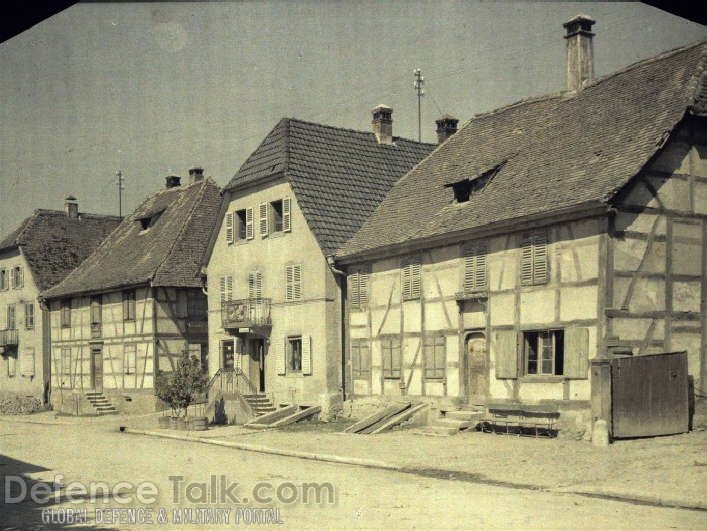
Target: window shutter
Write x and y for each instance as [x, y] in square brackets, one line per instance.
[229, 288]
[222, 286]
[526, 260]
[576, 352]
[415, 278]
[289, 282]
[27, 362]
[255, 285]
[540, 270]
[475, 268]
[411, 278]
[286, 217]
[22, 277]
[306, 355]
[353, 290]
[280, 355]
[263, 218]
[229, 227]
[249, 234]
[297, 282]
[363, 288]
[506, 354]
[251, 285]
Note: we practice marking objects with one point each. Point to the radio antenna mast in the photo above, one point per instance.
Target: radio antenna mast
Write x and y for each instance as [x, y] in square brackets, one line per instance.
[418, 86]
[119, 175]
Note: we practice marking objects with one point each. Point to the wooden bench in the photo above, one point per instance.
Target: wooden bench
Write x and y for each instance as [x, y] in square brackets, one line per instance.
[521, 419]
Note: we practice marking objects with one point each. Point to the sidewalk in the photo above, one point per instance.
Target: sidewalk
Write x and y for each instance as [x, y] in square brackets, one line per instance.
[668, 471]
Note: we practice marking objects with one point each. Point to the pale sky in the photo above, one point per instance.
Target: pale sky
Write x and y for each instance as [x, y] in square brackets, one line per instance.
[152, 89]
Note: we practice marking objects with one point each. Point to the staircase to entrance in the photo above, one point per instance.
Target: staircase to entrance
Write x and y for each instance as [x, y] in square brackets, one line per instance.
[101, 404]
[232, 383]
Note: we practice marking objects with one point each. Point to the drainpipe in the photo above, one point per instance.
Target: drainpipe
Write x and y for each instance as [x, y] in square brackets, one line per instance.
[342, 275]
[204, 285]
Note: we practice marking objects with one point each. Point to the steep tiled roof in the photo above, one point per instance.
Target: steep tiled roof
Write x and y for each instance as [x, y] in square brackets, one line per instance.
[560, 151]
[53, 243]
[339, 176]
[168, 253]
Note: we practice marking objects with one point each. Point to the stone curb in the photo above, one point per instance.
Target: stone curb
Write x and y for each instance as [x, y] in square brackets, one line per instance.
[357, 461]
[371, 463]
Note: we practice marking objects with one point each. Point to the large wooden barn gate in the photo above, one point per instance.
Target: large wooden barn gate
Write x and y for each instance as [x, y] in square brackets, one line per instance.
[642, 396]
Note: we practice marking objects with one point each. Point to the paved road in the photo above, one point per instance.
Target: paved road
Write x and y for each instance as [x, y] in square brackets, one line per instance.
[364, 497]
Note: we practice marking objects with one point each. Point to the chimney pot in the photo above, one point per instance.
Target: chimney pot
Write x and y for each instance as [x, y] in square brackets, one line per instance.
[580, 51]
[383, 124]
[172, 181]
[71, 207]
[196, 174]
[446, 127]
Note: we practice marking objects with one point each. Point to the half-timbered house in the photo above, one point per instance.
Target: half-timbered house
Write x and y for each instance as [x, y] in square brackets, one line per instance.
[275, 301]
[540, 235]
[135, 305]
[36, 256]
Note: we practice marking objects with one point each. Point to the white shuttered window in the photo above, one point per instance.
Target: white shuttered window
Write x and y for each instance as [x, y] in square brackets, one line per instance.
[534, 258]
[293, 282]
[358, 288]
[411, 278]
[226, 288]
[475, 267]
[229, 227]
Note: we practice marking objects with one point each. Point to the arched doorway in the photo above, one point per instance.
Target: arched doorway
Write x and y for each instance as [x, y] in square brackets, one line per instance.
[476, 364]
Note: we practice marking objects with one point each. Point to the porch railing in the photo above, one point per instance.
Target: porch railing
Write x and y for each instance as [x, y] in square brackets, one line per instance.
[8, 337]
[245, 313]
[230, 381]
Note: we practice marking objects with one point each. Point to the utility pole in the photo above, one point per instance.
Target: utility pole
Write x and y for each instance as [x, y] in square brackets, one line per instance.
[417, 85]
[119, 175]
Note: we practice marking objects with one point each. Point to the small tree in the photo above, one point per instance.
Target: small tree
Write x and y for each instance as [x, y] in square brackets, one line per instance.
[180, 387]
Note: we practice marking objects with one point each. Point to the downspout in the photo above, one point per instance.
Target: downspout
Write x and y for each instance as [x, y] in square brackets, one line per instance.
[342, 275]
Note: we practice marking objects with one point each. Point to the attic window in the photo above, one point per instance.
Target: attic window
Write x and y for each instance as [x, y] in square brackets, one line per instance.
[146, 222]
[465, 188]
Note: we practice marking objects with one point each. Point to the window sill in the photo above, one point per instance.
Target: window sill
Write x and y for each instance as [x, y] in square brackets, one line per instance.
[531, 378]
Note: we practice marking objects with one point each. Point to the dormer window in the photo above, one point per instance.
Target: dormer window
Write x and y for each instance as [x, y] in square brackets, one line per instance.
[465, 188]
[148, 221]
[462, 191]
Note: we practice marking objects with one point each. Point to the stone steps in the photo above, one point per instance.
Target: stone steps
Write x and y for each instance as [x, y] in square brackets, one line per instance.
[101, 404]
[451, 423]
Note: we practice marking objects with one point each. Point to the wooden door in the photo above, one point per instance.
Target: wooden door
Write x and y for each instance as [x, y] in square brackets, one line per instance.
[476, 364]
[227, 354]
[256, 363]
[97, 368]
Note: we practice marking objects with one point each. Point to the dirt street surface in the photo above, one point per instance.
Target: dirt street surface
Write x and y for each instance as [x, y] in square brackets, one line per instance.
[364, 498]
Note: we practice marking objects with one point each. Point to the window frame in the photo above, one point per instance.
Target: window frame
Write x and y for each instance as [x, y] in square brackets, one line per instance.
[18, 277]
[360, 370]
[4, 279]
[11, 317]
[11, 365]
[389, 345]
[129, 305]
[289, 361]
[276, 217]
[543, 338]
[435, 348]
[65, 313]
[29, 316]
[240, 225]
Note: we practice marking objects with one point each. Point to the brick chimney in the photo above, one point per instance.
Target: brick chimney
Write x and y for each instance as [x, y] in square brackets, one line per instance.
[172, 181]
[71, 207]
[580, 51]
[383, 124]
[446, 127]
[196, 174]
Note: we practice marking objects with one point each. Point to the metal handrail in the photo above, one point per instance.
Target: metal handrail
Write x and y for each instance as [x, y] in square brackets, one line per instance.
[231, 380]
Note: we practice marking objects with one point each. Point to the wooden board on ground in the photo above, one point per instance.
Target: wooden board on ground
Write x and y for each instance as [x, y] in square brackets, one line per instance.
[369, 423]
